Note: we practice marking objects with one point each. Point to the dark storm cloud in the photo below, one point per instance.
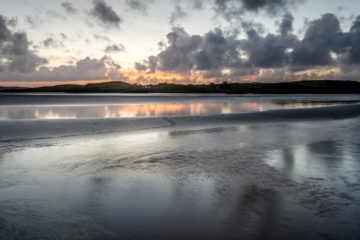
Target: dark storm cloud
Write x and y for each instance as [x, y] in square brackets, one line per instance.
[318, 42]
[185, 53]
[270, 5]
[115, 48]
[5, 33]
[286, 24]
[105, 14]
[269, 51]
[282, 54]
[20, 57]
[179, 56]
[69, 8]
[324, 44]
[15, 51]
[353, 41]
[218, 51]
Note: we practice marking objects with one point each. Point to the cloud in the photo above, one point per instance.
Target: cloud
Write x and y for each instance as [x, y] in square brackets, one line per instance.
[33, 21]
[353, 40]
[233, 9]
[115, 48]
[19, 63]
[197, 4]
[177, 14]
[179, 56]
[271, 6]
[101, 37]
[269, 51]
[140, 67]
[69, 8]
[350, 72]
[54, 14]
[87, 69]
[286, 24]
[15, 53]
[315, 48]
[105, 14]
[63, 36]
[218, 51]
[51, 42]
[5, 33]
[12, 22]
[139, 5]
[185, 53]
[150, 65]
[18, 56]
[216, 54]
[223, 55]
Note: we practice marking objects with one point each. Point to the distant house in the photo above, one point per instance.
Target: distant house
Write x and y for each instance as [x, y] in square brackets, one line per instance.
[147, 86]
[225, 82]
[212, 84]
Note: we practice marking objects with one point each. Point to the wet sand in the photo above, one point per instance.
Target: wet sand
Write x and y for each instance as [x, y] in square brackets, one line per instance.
[280, 174]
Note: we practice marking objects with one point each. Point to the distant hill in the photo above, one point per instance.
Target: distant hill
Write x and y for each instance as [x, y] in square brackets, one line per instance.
[315, 86]
[8, 88]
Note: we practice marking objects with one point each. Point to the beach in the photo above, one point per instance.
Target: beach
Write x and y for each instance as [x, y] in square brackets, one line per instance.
[179, 166]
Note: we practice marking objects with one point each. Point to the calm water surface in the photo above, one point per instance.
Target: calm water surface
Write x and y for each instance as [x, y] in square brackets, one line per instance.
[64, 106]
[144, 110]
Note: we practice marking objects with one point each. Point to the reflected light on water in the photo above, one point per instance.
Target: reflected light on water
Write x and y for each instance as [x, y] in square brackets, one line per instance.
[143, 110]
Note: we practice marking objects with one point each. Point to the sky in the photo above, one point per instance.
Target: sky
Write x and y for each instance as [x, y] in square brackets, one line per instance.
[179, 41]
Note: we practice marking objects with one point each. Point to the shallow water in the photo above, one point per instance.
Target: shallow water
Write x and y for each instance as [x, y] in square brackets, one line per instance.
[266, 181]
[279, 180]
[62, 106]
[145, 110]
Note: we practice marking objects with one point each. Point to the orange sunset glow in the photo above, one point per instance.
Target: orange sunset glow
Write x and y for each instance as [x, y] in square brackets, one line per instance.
[179, 119]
